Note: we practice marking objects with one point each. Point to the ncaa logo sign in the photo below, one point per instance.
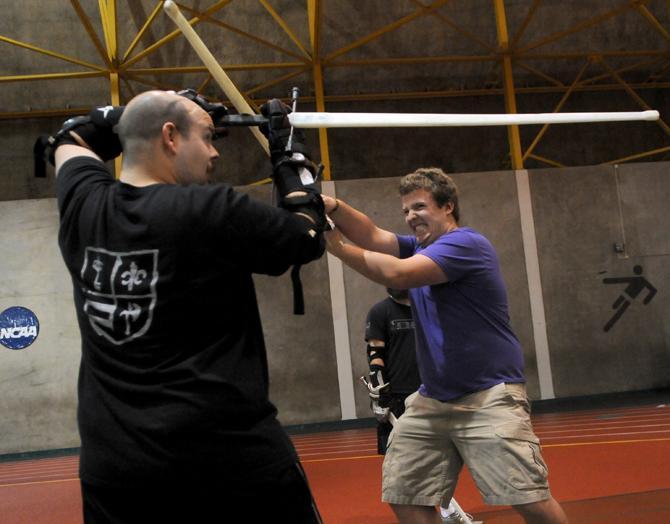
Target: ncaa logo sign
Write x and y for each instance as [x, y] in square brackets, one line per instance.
[19, 327]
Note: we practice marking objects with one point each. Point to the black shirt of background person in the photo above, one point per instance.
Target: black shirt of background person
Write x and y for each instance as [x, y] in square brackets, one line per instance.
[392, 322]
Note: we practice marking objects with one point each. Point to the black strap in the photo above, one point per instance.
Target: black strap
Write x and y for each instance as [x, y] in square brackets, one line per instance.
[298, 297]
[39, 155]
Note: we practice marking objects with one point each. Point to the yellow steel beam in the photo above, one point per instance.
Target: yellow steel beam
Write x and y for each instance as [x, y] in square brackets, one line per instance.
[659, 72]
[203, 69]
[470, 36]
[53, 76]
[620, 70]
[245, 34]
[113, 32]
[510, 108]
[547, 161]
[631, 92]
[116, 101]
[261, 182]
[539, 73]
[204, 83]
[412, 60]
[560, 105]
[143, 29]
[579, 27]
[174, 34]
[585, 54]
[88, 26]
[639, 155]
[52, 54]
[104, 19]
[109, 28]
[323, 133]
[148, 82]
[314, 11]
[522, 28]
[642, 9]
[275, 81]
[287, 29]
[129, 87]
[152, 48]
[508, 77]
[420, 11]
[374, 62]
[44, 113]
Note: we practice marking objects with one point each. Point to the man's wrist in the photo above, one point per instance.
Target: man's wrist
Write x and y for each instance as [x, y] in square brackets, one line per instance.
[335, 207]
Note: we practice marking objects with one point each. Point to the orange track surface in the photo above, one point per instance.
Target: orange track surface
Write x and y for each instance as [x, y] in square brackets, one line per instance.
[606, 466]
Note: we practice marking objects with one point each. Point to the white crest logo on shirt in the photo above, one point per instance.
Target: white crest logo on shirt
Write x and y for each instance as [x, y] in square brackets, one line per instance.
[119, 292]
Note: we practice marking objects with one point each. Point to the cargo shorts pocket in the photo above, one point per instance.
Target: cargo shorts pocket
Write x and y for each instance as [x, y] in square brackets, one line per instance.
[525, 466]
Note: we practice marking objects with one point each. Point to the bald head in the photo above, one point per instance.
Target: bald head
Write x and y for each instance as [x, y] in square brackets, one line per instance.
[144, 116]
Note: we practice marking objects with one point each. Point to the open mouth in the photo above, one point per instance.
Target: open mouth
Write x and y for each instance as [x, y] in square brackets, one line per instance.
[420, 229]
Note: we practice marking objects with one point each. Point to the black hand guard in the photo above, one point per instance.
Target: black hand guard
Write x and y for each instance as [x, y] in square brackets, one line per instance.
[279, 132]
[97, 129]
[215, 110]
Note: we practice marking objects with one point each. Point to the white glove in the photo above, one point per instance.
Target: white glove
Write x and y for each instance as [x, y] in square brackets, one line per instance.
[381, 414]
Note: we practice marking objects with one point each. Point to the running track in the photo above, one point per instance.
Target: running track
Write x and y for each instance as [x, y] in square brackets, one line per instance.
[606, 466]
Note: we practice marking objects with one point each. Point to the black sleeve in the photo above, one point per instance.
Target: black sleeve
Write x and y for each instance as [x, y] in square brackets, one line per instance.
[257, 236]
[76, 178]
[375, 327]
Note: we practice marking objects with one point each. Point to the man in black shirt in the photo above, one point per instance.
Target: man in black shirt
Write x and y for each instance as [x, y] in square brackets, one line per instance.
[389, 333]
[174, 415]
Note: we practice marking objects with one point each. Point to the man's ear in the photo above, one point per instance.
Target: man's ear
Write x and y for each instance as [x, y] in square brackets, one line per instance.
[169, 136]
[449, 208]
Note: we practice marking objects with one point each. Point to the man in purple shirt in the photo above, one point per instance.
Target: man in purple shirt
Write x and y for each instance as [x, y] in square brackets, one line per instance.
[472, 406]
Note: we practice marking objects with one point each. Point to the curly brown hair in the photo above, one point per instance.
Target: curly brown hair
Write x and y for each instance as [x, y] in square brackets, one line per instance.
[440, 185]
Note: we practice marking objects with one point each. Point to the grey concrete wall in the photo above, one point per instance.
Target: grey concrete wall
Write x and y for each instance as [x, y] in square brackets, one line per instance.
[38, 383]
[579, 214]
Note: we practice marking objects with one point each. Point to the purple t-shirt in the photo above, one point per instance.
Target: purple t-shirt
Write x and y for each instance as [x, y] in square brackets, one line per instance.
[464, 339]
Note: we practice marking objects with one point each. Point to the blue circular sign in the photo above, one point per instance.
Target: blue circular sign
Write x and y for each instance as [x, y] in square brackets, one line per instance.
[19, 327]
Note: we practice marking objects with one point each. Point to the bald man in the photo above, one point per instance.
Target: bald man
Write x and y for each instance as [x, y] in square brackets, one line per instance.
[173, 414]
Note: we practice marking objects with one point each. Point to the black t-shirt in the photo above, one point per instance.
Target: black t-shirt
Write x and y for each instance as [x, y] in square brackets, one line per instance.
[173, 382]
[392, 322]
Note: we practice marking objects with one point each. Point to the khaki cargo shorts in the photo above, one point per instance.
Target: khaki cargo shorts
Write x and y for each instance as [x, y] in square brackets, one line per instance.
[489, 431]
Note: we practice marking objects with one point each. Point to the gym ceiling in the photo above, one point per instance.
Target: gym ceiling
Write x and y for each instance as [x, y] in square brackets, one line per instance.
[61, 57]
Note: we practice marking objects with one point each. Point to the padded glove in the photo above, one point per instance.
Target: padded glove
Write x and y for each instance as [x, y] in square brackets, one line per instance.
[97, 129]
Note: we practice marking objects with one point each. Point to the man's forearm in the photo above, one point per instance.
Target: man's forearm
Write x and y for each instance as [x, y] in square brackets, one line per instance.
[360, 229]
[379, 267]
[387, 270]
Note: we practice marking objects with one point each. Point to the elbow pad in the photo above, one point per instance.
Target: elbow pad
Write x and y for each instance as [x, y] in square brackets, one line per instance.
[309, 204]
[376, 352]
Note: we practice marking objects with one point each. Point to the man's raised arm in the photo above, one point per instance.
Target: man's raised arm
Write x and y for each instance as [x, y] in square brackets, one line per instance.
[359, 228]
